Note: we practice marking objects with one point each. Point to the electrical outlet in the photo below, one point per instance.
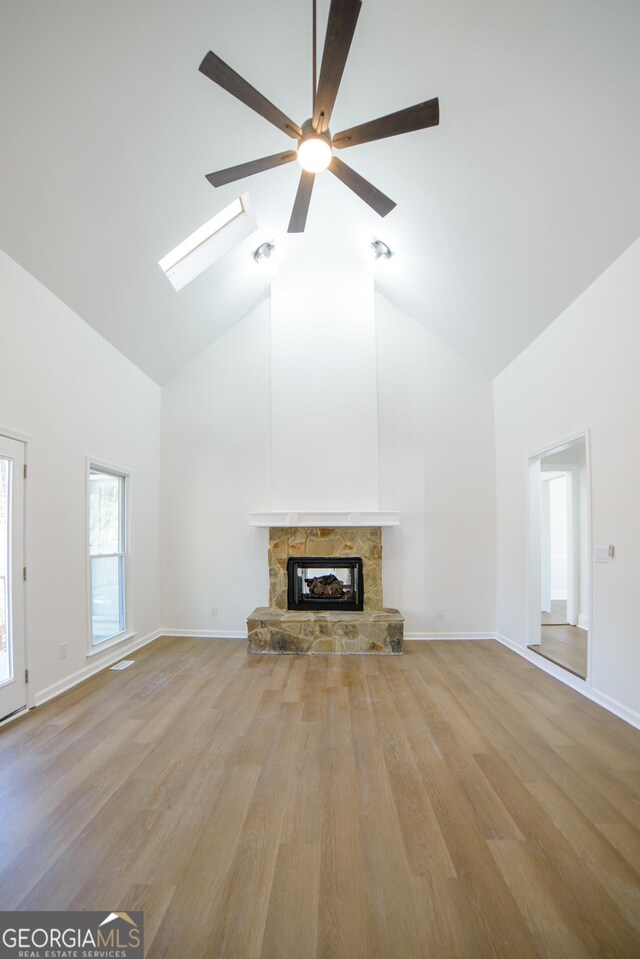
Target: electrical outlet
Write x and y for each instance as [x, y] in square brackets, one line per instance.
[214, 610]
[440, 612]
[63, 650]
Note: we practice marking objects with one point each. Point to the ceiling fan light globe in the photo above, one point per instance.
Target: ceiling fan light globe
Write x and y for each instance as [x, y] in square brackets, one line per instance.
[314, 154]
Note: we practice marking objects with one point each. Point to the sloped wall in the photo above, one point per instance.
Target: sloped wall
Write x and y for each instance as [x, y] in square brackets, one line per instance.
[581, 372]
[437, 466]
[216, 468]
[75, 396]
[429, 454]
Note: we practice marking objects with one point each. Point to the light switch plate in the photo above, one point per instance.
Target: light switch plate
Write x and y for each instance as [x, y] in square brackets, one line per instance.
[601, 554]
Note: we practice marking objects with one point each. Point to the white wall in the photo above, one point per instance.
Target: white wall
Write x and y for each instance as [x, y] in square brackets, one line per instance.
[558, 531]
[437, 466]
[324, 420]
[581, 372]
[215, 471]
[75, 396]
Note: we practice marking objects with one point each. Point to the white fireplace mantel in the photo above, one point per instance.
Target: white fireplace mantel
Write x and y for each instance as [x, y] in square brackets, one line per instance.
[324, 519]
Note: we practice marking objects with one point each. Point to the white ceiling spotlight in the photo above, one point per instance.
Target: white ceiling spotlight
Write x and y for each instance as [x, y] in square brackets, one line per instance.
[381, 251]
[263, 252]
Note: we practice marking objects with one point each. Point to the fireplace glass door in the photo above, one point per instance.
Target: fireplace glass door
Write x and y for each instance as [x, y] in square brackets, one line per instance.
[322, 583]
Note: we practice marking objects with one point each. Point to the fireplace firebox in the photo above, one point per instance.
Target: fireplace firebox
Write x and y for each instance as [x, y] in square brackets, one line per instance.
[317, 583]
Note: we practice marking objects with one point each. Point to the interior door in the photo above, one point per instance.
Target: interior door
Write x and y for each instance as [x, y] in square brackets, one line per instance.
[13, 690]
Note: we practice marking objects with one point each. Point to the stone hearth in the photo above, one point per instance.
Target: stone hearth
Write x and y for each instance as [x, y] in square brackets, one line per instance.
[294, 631]
[277, 629]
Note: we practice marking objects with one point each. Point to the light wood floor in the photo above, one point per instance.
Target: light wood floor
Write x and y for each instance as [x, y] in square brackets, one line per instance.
[566, 646]
[557, 614]
[454, 802]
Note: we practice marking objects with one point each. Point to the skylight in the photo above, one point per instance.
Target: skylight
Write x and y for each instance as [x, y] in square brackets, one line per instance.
[209, 242]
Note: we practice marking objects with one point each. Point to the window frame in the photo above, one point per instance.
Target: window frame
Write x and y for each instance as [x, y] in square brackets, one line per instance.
[96, 465]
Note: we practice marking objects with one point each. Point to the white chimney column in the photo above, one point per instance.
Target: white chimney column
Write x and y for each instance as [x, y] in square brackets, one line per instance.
[324, 403]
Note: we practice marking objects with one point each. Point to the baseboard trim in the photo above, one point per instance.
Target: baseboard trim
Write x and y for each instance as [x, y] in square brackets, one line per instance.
[206, 633]
[242, 634]
[583, 621]
[580, 685]
[428, 637]
[613, 706]
[111, 656]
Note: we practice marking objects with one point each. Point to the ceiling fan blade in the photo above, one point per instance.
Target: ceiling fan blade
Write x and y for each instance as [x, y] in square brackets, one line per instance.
[365, 190]
[301, 203]
[341, 25]
[222, 74]
[418, 117]
[243, 170]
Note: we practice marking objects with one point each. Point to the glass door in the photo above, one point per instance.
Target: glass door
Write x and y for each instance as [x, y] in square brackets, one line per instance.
[13, 694]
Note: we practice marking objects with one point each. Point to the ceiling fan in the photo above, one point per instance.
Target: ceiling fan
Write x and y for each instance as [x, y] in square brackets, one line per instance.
[315, 142]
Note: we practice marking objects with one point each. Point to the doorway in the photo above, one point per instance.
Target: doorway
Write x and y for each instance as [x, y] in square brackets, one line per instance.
[13, 692]
[559, 533]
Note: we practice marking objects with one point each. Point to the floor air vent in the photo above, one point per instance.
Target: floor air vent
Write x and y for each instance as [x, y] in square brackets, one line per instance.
[123, 664]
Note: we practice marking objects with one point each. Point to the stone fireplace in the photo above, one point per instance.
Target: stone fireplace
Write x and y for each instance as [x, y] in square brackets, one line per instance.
[319, 466]
[325, 594]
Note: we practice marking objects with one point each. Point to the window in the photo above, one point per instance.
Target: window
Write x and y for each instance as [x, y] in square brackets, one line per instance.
[107, 553]
[209, 242]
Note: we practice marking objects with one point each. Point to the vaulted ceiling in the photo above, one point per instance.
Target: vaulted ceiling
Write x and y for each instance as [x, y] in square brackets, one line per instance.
[506, 212]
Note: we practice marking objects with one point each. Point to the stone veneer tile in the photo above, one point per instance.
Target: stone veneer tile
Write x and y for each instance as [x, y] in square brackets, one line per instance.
[298, 632]
[365, 542]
